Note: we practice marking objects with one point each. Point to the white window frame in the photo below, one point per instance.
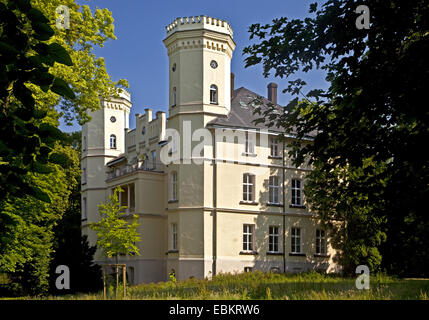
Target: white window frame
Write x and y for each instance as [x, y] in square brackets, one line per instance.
[274, 190]
[296, 192]
[112, 141]
[321, 246]
[173, 184]
[250, 145]
[213, 94]
[248, 187]
[274, 147]
[248, 237]
[273, 239]
[174, 236]
[295, 240]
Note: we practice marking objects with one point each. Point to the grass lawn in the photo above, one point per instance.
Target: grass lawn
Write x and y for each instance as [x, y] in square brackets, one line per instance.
[259, 285]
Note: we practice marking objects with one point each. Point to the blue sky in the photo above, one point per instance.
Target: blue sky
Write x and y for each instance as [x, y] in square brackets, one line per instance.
[139, 55]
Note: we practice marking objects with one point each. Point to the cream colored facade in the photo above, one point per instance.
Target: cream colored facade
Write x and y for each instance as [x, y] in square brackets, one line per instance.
[194, 218]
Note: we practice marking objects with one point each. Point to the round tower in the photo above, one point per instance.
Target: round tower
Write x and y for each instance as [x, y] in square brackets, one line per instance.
[103, 139]
[200, 49]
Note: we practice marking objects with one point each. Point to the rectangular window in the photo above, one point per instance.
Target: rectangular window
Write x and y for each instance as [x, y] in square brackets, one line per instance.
[294, 155]
[154, 159]
[274, 190]
[213, 94]
[132, 197]
[248, 237]
[248, 187]
[296, 192]
[274, 148]
[250, 142]
[273, 239]
[84, 209]
[83, 175]
[320, 242]
[131, 275]
[296, 240]
[174, 236]
[173, 186]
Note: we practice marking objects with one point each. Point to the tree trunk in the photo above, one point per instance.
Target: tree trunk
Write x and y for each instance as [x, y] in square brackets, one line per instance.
[117, 278]
[124, 271]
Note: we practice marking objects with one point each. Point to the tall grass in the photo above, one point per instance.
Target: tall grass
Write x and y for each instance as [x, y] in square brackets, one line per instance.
[259, 285]
[267, 286]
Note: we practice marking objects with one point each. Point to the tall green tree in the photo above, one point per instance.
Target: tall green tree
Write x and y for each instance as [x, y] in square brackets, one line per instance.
[26, 140]
[87, 75]
[115, 234]
[42, 67]
[70, 247]
[370, 125]
[28, 237]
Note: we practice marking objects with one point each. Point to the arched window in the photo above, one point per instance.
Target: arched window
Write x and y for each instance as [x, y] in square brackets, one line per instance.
[112, 141]
[174, 96]
[173, 186]
[213, 94]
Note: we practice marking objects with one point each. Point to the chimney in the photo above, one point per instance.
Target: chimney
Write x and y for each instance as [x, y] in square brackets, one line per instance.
[232, 84]
[148, 113]
[272, 92]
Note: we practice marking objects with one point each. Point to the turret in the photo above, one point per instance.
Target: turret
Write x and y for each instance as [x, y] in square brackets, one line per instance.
[200, 49]
[103, 139]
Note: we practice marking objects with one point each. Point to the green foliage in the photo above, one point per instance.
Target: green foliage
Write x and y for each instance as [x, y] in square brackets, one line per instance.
[115, 235]
[260, 285]
[42, 67]
[70, 248]
[26, 140]
[369, 127]
[27, 225]
[265, 286]
[87, 74]
[172, 277]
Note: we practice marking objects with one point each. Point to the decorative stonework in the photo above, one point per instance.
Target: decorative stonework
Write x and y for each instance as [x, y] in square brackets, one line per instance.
[199, 22]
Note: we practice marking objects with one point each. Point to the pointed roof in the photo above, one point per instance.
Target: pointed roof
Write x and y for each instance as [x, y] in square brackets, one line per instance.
[241, 113]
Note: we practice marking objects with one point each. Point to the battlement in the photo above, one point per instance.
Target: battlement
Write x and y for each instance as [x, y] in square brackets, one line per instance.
[197, 23]
[125, 94]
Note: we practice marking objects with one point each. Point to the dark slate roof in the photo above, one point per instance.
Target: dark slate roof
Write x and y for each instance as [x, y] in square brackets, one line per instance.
[241, 113]
[116, 160]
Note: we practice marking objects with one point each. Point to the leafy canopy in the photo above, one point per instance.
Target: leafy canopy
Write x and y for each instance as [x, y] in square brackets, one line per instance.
[27, 140]
[115, 235]
[369, 126]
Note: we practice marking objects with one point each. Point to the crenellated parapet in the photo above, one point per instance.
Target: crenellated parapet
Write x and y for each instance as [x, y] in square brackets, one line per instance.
[199, 22]
[199, 32]
[120, 102]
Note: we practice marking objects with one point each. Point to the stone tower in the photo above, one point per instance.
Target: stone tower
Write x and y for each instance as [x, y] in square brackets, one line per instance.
[200, 49]
[103, 139]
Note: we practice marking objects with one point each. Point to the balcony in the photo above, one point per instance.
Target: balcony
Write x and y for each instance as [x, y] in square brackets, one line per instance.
[145, 165]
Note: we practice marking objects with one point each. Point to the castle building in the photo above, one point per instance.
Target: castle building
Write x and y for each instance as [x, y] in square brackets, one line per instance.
[214, 192]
